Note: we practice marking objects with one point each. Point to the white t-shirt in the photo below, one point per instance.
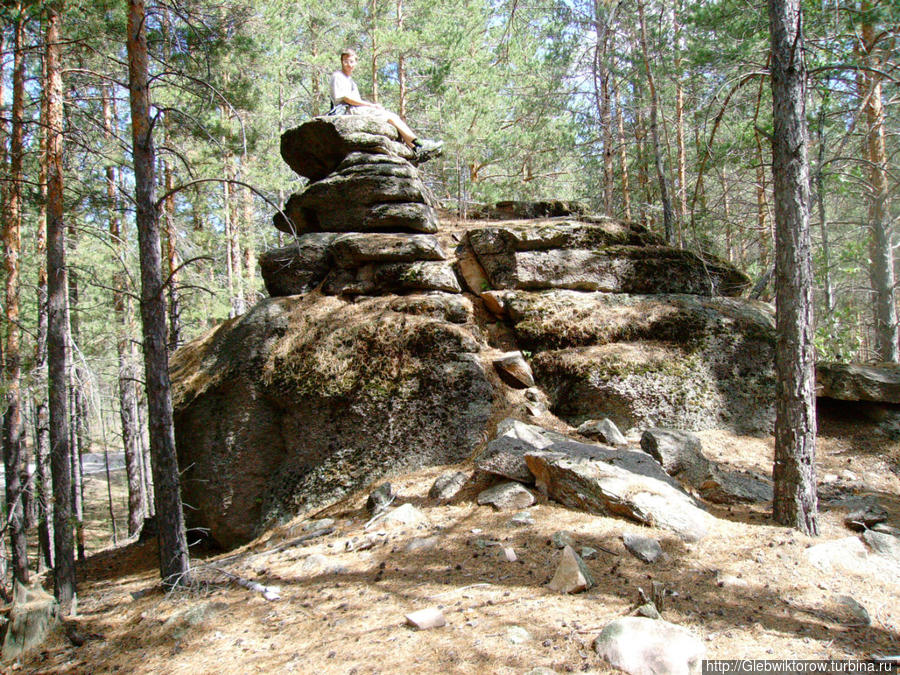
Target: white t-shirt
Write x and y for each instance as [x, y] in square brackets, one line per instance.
[341, 86]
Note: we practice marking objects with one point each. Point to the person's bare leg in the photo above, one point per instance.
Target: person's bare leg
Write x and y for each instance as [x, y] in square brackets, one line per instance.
[407, 134]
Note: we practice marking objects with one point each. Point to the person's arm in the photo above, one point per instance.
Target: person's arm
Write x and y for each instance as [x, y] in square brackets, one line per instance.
[341, 92]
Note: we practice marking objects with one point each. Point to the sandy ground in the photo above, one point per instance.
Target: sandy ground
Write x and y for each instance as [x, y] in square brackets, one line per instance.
[746, 589]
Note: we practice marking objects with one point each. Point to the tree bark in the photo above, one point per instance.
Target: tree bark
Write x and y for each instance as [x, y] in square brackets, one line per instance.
[401, 66]
[795, 423]
[57, 336]
[127, 376]
[601, 75]
[174, 561]
[12, 243]
[173, 304]
[679, 129]
[43, 487]
[623, 158]
[668, 218]
[881, 234]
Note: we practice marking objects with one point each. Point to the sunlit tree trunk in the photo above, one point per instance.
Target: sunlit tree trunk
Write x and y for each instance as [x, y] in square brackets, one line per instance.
[881, 231]
[794, 472]
[401, 65]
[679, 129]
[43, 487]
[124, 346]
[57, 335]
[668, 218]
[174, 561]
[12, 243]
[623, 158]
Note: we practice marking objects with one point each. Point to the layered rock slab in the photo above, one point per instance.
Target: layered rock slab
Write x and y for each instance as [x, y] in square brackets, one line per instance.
[681, 361]
[362, 179]
[358, 264]
[605, 256]
[307, 398]
[858, 382]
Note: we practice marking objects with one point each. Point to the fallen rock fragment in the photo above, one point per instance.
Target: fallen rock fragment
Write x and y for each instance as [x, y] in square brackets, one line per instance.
[643, 548]
[865, 518]
[506, 496]
[380, 498]
[505, 456]
[604, 431]
[561, 539]
[640, 645]
[509, 554]
[447, 486]
[882, 544]
[598, 486]
[514, 370]
[521, 519]
[572, 575]
[407, 514]
[679, 452]
[860, 615]
[424, 619]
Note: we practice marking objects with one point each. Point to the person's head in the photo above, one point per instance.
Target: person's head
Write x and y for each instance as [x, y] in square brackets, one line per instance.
[348, 59]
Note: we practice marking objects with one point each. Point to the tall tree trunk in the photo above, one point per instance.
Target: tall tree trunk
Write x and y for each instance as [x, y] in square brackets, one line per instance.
[623, 157]
[795, 420]
[603, 19]
[174, 561]
[762, 206]
[57, 337]
[77, 382]
[248, 259]
[679, 128]
[43, 486]
[640, 138]
[173, 304]
[401, 66]
[373, 26]
[819, 180]
[124, 345]
[881, 231]
[654, 132]
[729, 231]
[12, 243]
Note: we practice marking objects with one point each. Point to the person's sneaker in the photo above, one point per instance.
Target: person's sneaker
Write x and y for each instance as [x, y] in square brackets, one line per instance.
[426, 149]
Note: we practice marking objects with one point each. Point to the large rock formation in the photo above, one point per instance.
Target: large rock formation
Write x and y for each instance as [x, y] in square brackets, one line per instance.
[376, 351]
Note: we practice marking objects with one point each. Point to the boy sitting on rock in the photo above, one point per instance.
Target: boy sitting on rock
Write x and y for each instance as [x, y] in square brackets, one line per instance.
[345, 100]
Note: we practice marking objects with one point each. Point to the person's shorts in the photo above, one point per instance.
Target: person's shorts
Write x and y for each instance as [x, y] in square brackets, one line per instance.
[344, 109]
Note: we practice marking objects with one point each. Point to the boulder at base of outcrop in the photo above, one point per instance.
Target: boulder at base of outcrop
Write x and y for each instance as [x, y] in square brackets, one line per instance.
[858, 382]
[681, 361]
[307, 398]
[620, 483]
[639, 646]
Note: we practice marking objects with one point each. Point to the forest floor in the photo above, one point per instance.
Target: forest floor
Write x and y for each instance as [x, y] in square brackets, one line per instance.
[746, 589]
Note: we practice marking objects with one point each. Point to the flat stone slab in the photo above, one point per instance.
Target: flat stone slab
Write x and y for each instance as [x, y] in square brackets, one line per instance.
[600, 487]
[613, 269]
[358, 248]
[858, 382]
[393, 278]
